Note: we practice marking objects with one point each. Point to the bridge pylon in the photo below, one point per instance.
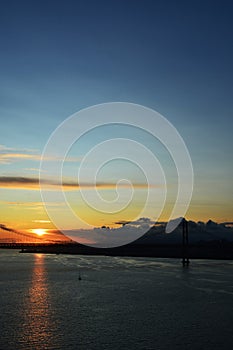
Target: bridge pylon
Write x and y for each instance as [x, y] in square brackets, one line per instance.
[185, 243]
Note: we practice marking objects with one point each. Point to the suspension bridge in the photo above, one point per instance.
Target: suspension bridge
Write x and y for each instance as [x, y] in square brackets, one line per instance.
[10, 238]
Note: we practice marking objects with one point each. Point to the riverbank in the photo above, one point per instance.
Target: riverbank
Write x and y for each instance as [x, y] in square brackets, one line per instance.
[135, 250]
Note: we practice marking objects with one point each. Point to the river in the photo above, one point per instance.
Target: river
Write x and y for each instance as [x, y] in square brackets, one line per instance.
[119, 303]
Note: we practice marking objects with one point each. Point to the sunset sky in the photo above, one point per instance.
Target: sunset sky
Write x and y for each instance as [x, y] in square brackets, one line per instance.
[58, 57]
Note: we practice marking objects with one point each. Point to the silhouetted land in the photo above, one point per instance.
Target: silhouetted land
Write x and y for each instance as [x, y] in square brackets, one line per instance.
[202, 240]
[210, 250]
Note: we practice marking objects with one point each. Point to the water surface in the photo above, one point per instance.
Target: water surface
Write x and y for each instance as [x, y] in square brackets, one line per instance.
[120, 303]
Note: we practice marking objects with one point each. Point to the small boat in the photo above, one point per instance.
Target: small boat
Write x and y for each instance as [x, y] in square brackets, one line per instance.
[79, 277]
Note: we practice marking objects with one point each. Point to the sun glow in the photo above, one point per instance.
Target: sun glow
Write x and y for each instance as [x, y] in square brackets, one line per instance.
[39, 231]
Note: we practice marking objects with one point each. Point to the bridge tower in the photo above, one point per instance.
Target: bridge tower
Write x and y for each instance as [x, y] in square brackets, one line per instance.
[185, 243]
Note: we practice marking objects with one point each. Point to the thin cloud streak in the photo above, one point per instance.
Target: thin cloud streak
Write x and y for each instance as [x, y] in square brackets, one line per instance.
[32, 205]
[32, 183]
[42, 221]
[8, 158]
[4, 148]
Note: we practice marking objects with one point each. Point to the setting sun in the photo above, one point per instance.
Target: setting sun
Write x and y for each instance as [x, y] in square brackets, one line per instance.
[39, 231]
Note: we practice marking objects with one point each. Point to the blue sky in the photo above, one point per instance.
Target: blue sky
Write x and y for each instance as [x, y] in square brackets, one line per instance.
[58, 57]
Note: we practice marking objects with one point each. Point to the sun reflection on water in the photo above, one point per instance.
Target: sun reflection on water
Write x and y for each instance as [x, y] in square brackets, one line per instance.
[38, 328]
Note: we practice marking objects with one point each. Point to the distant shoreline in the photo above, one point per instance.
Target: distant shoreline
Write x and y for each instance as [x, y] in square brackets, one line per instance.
[134, 250]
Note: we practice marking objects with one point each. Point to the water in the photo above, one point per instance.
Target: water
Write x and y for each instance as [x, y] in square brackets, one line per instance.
[120, 303]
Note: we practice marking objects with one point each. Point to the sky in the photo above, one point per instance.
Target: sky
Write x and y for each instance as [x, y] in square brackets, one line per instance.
[58, 57]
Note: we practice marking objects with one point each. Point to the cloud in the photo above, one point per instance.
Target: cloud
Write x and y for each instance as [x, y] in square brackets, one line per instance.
[198, 232]
[9, 155]
[228, 224]
[8, 229]
[16, 182]
[20, 233]
[141, 222]
[84, 236]
[35, 170]
[4, 148]
[52, 236]
[33, 183]
[8, 158]
[105, 237]
[42, 221]
[155, 234]
[31, 205]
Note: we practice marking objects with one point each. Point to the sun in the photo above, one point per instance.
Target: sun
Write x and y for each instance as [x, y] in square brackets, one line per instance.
[39, 231]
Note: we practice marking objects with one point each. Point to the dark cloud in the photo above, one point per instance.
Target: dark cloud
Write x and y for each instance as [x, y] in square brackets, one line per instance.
[33, 183]
[5, 228]
[155, 234]
[139, 222]
[18, 180]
